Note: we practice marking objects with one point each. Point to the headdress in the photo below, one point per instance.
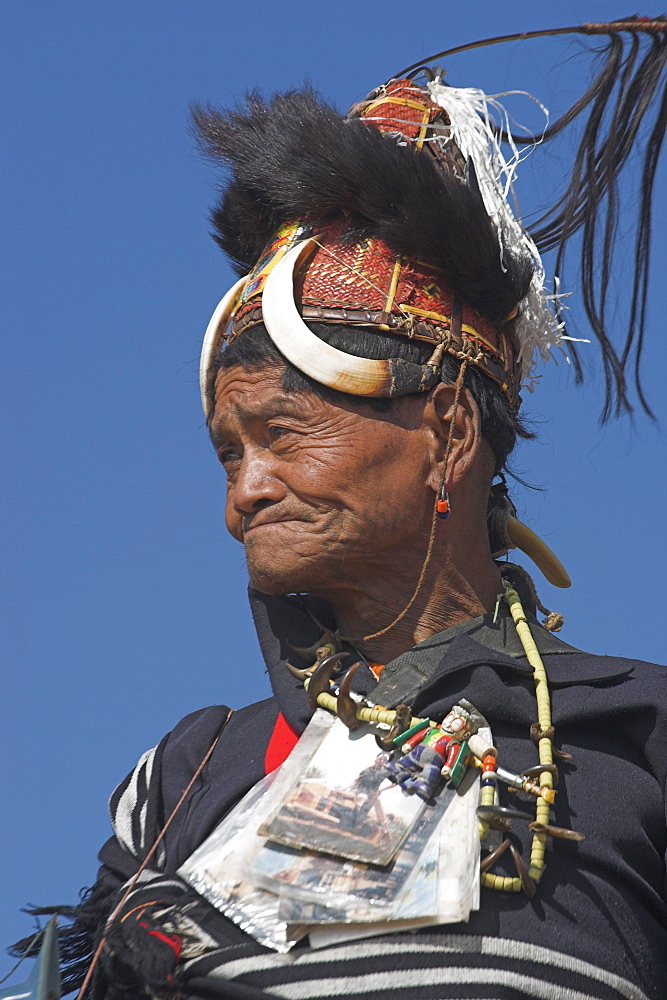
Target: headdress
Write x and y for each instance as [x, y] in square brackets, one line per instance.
[396, 218]
[376, 219]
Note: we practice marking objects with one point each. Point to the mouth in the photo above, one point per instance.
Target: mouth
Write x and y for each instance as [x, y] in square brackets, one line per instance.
[256, 525]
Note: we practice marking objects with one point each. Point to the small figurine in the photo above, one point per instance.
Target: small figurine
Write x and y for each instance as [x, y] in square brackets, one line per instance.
[435, 751]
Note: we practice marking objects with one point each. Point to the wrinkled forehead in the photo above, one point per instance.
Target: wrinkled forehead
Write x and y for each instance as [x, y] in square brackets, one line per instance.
[244, 393]
[262, 391]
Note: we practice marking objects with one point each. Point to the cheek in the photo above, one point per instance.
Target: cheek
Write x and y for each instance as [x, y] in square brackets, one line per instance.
[328, 475]
[233, 519]
[394, 496]
[374, 464]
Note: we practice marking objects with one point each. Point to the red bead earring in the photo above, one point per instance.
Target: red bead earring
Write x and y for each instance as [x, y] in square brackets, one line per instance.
[442, 505]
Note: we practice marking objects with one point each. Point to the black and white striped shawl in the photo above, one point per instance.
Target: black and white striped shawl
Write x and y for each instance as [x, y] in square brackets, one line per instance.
[597, 927]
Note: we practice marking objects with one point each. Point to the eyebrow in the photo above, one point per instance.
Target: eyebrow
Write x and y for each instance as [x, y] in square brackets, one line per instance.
[276, 406]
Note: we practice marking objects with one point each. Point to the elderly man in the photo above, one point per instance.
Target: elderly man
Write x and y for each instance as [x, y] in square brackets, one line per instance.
[361, 383]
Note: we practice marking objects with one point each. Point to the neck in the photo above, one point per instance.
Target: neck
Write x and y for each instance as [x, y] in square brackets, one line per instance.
[451, 592]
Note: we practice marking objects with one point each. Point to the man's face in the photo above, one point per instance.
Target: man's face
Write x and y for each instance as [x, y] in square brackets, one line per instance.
[321, 495]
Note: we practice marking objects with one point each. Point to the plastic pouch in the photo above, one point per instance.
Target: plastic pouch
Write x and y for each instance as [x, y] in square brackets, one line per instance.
[318, 888]
[443, 886]
[219, 869]
[343, 803]
[264, 888]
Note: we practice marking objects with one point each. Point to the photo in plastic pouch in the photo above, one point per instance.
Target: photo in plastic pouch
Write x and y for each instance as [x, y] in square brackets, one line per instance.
[343, 803]
[319, 888]
[451, 893]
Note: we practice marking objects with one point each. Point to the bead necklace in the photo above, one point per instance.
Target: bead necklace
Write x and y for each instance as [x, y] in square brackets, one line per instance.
[354, 714]
[544, 734]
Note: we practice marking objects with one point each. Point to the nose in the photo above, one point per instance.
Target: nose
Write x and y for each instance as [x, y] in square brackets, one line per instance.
[256, 485]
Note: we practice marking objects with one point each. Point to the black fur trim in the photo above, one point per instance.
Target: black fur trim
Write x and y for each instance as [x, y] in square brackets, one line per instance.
[78, 941]
[295, 157]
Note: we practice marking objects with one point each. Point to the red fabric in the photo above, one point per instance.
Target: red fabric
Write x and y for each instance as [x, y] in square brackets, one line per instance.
[173, 940]
[282, 742]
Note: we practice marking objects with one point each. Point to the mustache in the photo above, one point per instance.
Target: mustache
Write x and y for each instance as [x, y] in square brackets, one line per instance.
[261, 517]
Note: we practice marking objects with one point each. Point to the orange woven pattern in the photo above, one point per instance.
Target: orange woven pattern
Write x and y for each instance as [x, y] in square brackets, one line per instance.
[366, 284]
[368, 276]
[353, 277]
[400, 106]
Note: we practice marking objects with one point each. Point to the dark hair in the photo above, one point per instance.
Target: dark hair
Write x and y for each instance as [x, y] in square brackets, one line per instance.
[500, 424]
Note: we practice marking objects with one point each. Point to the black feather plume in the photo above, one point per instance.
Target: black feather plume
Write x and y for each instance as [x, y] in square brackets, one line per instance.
[624, 116]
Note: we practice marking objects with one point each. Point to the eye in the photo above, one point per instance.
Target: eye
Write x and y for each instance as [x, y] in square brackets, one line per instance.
[278, 431]
[228, 457]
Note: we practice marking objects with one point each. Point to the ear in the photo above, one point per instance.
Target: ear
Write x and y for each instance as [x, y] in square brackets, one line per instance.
[467, 442]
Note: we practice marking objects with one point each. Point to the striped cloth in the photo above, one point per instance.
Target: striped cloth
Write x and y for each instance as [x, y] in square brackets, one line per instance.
[424, 966]
[219, 960]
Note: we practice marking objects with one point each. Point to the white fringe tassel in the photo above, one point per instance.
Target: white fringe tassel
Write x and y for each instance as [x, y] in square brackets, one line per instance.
[471, 114]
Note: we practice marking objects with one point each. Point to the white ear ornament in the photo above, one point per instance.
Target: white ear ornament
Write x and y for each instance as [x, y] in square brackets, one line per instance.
[524, 538]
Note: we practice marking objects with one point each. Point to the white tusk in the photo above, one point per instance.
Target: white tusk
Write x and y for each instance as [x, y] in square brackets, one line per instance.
[522, 537]
[215, 331]
[306, 351]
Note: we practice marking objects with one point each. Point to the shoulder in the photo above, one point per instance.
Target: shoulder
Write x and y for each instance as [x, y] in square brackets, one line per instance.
[573, 664]
[189, 736]
[616, 684]
[196, 731]
[616, 699]
[230, 744]
[180, 752]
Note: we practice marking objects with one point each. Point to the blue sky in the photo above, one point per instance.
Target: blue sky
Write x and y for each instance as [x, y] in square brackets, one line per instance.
[124, 601]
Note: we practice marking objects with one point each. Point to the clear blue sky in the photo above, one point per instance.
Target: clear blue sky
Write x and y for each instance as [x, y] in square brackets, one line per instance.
[124, 601]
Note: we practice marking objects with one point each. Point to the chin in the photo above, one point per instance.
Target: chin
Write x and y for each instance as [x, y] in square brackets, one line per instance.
[293, 573]
[277, 580]
[282, 561]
